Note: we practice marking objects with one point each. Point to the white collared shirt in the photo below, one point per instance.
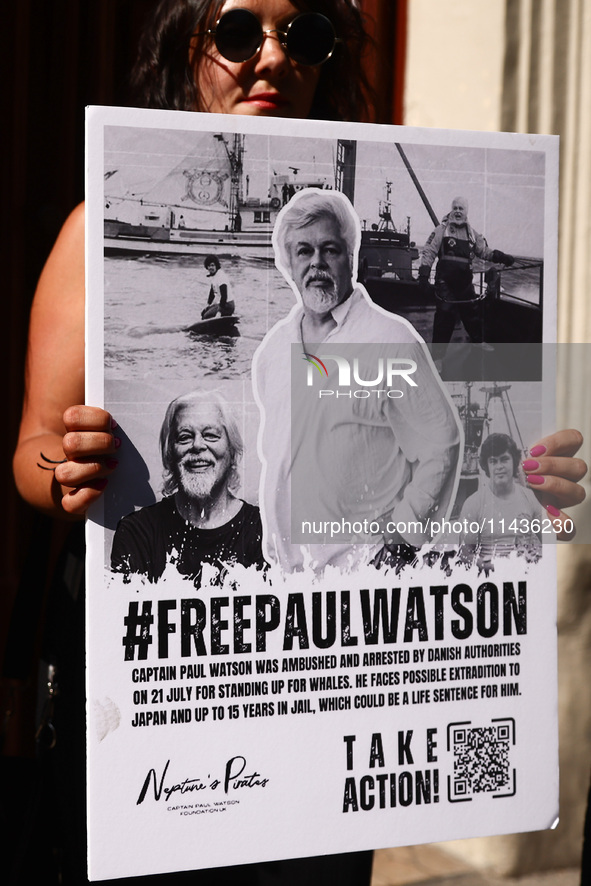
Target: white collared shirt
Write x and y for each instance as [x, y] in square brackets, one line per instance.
[356, 459]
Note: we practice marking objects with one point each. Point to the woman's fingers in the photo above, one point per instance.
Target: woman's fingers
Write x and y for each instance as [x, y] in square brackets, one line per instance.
[77, 501]
[562, 524]
[570, 468]
[565, 443]
[556, 489]
[75, 473]
[554, 473]
[89, 446]
[86, 444]
[88, 418]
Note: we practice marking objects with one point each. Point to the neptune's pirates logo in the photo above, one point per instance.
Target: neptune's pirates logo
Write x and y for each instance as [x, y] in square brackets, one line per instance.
[204, 187]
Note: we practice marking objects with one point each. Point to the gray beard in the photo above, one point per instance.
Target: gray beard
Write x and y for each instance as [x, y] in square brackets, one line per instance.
[201, 487]
[321, 299]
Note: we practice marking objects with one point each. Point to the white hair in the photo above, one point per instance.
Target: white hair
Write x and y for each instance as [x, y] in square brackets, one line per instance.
[168, 427]
[461, 200]
[307, 207]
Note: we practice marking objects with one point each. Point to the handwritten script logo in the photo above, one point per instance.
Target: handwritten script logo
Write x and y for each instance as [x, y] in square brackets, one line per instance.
[233, 779]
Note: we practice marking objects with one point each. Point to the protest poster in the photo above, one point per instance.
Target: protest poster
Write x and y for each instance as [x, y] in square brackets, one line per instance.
[321, 614]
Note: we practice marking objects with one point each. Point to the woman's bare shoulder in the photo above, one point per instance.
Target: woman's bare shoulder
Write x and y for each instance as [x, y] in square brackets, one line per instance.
[64, 268]
[55, 358]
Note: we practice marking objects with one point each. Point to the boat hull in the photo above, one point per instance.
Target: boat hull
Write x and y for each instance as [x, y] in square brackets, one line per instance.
[220, 241]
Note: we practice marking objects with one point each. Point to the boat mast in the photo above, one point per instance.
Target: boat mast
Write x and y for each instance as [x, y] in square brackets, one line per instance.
[417, 185]
[385, 211]
[235, 158]
[345, 167]
[345, 178]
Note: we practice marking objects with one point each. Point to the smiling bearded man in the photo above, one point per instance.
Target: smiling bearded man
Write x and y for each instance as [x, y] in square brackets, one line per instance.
[454, 244]
[200, 519]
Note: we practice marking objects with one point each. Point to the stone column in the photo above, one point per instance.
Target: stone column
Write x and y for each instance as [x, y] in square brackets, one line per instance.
[543, 51]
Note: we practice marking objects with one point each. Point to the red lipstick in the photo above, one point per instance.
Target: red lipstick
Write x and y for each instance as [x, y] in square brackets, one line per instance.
[267, 100]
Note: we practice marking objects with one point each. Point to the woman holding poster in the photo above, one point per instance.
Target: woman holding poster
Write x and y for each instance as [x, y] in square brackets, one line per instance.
[259, 57]
[255, 60]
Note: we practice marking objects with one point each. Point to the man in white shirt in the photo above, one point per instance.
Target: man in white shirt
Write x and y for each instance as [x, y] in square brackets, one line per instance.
[385, 459]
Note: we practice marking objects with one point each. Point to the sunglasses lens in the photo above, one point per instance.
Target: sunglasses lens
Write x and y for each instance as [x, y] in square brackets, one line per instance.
[238, 35]
[310, 39]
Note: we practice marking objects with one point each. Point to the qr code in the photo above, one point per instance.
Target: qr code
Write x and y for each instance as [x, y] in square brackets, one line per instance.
[481, 760]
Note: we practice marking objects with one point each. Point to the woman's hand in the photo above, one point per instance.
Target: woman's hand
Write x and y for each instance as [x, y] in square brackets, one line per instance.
[89, 446]
[55, 380]
[554, 474]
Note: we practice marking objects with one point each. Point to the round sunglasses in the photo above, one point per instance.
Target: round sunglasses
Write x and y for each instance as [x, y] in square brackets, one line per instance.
[308, 40]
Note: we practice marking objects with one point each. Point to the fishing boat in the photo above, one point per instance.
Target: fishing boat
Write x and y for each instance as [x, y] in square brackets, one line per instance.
[386, 251]
[203, 203]
[208, 202]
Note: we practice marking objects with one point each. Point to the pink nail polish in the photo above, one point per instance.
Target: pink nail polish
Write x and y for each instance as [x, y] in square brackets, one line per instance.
[537, 450]
[111, 462]
[531, 464]
[536, 479]
[554, 512]
[117, 442]
[113, 424]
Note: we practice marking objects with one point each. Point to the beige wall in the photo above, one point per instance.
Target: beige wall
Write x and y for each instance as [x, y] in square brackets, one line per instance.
[525, 65]
[454, 69]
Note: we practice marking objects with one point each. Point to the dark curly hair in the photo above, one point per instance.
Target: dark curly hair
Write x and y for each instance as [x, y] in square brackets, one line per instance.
[211, 260]
[499, 444]
[164, 73]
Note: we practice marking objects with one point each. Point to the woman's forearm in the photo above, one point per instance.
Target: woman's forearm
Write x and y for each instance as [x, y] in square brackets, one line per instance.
[34, 474]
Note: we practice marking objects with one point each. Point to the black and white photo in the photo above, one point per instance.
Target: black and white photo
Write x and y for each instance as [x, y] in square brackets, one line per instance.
[311, 586]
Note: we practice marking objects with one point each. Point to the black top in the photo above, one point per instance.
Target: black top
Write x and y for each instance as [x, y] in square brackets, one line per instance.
[148, 539]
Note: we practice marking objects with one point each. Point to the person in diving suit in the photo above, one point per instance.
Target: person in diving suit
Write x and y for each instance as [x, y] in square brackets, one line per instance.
[455, 243]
